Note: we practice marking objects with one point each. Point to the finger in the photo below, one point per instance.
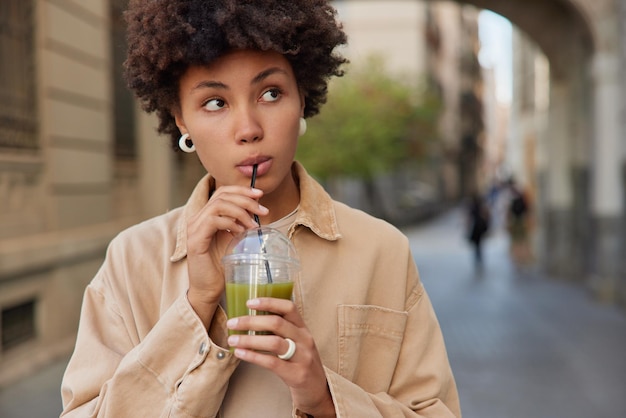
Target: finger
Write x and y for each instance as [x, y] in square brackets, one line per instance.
[266, 355]
[273, 324]
[282, 307]
[243, 194]
[263, 359]
[239, 191]
[222, 223]
[238, 207]
[265, 344]
[251, 192]
[222, 214]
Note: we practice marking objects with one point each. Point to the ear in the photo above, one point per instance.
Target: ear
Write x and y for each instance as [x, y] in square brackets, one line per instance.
[302, 103]
[180, 122]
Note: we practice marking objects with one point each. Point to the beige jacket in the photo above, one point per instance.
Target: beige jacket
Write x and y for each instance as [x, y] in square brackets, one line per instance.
[141, 351]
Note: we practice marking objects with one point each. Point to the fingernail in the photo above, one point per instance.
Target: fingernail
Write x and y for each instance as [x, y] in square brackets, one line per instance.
[233, 340]
[263, 209]
[232, 322]
[253, 302]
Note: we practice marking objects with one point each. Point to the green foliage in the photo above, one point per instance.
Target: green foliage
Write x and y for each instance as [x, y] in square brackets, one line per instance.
[371, 123]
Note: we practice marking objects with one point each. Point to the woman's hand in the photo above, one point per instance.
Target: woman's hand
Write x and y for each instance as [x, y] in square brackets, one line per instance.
[303, 372]
[230, 209]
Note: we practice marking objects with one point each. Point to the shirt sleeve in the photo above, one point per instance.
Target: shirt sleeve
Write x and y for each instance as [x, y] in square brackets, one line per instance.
[423, 384]
[177, 370]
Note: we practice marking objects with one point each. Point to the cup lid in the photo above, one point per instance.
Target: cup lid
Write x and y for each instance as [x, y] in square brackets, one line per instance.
[262, 243]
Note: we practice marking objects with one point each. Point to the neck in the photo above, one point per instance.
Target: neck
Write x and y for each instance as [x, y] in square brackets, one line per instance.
[281, 201]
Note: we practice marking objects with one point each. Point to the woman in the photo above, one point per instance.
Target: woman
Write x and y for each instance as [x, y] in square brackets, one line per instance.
[233, 81]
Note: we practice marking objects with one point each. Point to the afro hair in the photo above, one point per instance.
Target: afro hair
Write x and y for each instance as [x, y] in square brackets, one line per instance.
[165, 37]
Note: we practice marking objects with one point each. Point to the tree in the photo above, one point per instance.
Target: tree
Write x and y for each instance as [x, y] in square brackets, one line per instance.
[372, 123]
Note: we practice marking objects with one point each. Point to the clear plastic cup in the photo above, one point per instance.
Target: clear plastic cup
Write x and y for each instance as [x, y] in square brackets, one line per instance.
[261, 262]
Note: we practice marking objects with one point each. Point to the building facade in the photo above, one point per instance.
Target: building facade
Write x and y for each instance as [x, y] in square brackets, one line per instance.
[78, 163]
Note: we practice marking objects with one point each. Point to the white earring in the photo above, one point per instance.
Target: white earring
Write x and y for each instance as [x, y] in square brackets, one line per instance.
[302, 129]
[183, 144]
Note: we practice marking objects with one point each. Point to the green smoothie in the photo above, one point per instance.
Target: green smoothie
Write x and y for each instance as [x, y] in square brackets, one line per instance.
[237, 294]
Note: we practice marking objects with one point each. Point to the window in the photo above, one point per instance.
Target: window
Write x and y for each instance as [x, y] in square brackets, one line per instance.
[17, 324]
[18, 116]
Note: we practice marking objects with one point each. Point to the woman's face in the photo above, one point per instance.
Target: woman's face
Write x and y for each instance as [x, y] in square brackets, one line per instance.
[243, 109]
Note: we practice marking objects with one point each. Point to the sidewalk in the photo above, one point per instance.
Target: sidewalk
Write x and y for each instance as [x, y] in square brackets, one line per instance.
[37, 396]
[520, 345]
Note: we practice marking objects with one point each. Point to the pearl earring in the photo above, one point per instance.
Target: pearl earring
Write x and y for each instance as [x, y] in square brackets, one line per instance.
[302, 129]
[183, 144]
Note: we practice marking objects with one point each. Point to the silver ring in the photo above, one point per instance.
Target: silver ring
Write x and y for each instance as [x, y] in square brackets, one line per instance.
[290, 351]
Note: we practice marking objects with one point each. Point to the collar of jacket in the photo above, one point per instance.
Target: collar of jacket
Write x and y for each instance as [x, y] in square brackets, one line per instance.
[316, 212]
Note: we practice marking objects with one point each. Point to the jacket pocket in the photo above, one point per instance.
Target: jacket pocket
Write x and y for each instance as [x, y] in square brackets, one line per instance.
[370, 338]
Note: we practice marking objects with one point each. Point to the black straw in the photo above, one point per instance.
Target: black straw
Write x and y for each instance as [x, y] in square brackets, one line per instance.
[268, 271]
[254, 167]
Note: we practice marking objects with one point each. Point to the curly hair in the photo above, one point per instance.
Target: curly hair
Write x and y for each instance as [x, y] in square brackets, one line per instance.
[165, 37]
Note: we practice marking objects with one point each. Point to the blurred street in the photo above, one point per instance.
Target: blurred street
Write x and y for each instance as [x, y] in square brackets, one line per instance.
[520, 344]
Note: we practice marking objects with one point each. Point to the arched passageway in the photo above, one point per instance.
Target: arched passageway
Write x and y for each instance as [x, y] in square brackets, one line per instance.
[581, 183]
[581, 176]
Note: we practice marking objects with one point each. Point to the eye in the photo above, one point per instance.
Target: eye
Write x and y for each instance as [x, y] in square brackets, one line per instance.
[271, 95]
[214, 104]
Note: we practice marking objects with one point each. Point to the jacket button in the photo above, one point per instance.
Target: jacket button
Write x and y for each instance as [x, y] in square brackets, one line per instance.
[221, 355]
[202, 349]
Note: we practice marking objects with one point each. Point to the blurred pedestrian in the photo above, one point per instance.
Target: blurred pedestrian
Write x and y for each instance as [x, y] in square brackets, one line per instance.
[478, 222]
[519, 223]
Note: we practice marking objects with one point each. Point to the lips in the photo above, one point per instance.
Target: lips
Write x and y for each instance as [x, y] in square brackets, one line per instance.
[264, 163]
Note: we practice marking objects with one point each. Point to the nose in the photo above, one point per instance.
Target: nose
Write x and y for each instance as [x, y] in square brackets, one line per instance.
[248, 127]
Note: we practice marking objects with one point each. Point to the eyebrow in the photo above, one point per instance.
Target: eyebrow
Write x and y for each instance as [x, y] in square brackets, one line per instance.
[266, 73]
[257, 79]
[210, 84]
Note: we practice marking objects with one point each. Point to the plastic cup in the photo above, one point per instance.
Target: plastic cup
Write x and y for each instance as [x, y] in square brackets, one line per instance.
[262, 262]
